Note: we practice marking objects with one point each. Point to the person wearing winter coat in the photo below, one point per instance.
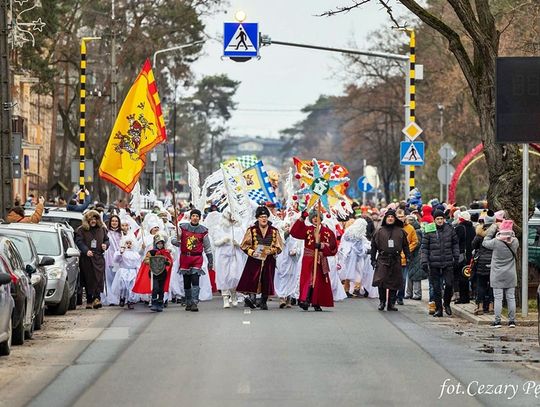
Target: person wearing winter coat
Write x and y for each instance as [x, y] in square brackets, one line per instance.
[92, 240]
[482, 267]
[465, 233]
[415, 273]
[413, 242]
[16, 214]
[386, 247]
[439, 255]
[503, 279]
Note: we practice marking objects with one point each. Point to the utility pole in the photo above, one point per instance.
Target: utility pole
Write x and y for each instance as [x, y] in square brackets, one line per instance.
[6, 189]
[114, 79]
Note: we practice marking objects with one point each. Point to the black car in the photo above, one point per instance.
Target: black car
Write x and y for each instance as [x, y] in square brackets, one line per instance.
[22, 291]
[34, 267]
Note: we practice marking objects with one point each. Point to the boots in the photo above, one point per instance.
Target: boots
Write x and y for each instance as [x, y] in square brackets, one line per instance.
[282, 302]
[431, 308]
[448, 310]
[392, 301]
[264, 307]
[382, 304]
[188, 299]
[155, 304]
[234, 298]
[194, 298]
[479, 310]
[249, 301]
[438, 310]
[226, 301]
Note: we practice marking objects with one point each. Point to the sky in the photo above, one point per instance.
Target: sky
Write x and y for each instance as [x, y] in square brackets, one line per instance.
[274, 88]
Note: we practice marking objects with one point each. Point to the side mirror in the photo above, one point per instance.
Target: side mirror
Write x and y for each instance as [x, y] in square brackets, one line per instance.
[46, 261]
[30, 269]
[71, 252]
[4, 279]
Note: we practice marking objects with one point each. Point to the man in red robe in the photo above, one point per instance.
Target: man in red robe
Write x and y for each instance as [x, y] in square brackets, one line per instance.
[319, 292]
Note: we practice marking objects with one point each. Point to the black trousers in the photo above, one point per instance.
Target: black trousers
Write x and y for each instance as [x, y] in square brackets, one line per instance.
[191, 280]
[158, 286]
[438, 277]
[484, 294]
[382, 295]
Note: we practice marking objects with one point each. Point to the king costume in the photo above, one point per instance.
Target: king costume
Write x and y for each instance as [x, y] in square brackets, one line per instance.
[262, 242]
[319, 292]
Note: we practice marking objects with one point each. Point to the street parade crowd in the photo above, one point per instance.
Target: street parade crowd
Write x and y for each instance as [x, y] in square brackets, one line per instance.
[305, 259]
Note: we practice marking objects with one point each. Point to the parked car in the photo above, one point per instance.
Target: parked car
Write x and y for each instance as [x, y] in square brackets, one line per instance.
[59, 215]
[22, 291]
[34, 267]
[6, 311]
[56, 240]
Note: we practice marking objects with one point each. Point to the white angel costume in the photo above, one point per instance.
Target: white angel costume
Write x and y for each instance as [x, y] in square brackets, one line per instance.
[229, 259]
[354, 259]
[128, 262]
[338, 292]
[107, 297]
[288, 267]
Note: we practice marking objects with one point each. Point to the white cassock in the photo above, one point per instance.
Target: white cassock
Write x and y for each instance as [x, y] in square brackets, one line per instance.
[108, 297]
[355, 263]
[288, 266]
[229, 259]
[126, 273]
[338, 292]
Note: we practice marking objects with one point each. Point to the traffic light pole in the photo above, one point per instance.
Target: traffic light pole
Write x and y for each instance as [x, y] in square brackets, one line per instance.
[410, 77]
[6, 189]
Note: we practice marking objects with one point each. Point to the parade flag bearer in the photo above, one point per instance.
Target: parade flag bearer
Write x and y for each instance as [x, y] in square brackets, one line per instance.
[315, 287]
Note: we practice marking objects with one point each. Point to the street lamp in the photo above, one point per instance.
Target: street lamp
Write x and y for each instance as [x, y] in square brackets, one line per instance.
[440, 107]
[162, 51]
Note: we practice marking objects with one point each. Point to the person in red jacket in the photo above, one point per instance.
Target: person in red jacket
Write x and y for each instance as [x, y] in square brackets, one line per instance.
[319, 243]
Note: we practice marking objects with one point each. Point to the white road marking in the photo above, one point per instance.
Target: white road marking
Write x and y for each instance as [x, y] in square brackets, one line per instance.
[246, 322]
[247, 311]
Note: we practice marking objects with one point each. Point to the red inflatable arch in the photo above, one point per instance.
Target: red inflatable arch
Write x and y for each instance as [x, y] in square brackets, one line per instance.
[474, 155]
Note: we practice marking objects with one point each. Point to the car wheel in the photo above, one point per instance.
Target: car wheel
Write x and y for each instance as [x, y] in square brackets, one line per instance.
[39, 318]
[30, 332]
[17, 335]
[5, 347]
[62, 307]
[73, 301]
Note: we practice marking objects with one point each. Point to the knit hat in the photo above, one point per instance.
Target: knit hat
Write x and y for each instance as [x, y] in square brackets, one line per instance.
[262, 211]
[438, 213]
[506, 226]
[489, 218]
[499, 216]
[464, 216]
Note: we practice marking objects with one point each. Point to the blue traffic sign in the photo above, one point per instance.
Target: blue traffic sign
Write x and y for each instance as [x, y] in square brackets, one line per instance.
[411, 153]
[240, 39]
[364, 185]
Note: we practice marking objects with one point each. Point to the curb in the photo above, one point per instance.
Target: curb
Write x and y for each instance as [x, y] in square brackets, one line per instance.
[458, 311]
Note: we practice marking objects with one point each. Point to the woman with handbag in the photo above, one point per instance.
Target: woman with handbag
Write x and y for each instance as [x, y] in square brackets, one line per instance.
[503, 279]
[482, 267]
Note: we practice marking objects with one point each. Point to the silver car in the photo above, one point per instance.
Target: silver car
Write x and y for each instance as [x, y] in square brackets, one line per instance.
[6, 310]
[56, 241]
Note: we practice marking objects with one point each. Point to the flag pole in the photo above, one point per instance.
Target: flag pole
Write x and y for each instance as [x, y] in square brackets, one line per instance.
[173, 194]
[317, 240]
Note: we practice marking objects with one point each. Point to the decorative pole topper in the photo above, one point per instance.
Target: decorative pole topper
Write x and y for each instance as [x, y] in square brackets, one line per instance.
[320, 186]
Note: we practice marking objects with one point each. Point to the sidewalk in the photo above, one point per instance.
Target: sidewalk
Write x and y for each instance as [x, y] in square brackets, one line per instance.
[466, 311]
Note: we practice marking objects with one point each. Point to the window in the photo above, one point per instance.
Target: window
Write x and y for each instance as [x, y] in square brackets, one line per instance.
[23, 246]
[65, 241]
[47, 243]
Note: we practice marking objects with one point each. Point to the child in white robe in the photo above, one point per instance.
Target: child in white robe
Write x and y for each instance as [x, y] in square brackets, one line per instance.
[128, 260]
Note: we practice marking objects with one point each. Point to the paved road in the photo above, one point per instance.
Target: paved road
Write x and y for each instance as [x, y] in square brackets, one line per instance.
[350, 356]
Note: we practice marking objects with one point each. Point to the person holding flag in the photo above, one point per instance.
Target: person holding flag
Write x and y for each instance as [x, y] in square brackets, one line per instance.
[319, 243]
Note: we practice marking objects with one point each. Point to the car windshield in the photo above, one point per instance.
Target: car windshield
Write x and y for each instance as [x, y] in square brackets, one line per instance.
[23, 247]
[47, 243]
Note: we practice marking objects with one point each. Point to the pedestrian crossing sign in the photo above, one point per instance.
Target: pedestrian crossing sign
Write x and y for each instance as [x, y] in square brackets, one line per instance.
[411, 153]
[241, 40]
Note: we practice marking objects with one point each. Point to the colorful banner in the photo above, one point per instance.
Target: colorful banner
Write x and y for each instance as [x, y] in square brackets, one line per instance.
[139, 127]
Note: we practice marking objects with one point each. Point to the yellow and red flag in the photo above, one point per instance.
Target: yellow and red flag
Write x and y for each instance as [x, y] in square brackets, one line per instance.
[139, 127]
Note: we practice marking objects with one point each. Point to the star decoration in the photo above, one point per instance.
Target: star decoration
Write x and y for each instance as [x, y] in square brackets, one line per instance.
[38, 25]
[320, 186]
